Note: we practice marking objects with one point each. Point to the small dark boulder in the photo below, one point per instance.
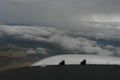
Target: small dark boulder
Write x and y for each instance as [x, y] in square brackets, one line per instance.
[62, 63]
[83, 62]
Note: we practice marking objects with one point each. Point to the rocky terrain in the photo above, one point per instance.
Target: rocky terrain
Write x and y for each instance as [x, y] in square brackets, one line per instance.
[13, 57]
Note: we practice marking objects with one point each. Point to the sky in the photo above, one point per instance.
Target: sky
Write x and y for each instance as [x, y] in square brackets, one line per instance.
[88, 16]
[63, 22]
[58, 12]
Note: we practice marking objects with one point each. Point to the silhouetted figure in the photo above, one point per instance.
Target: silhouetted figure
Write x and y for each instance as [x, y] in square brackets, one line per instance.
[62, 63]
[83, 62]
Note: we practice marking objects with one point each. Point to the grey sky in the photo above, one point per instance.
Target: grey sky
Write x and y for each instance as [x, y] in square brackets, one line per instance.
[58, 12]
[92, 18]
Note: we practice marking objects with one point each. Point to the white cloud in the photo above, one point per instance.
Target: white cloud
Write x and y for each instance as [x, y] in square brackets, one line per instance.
[65, 38]
[31, 51]
[39, 50]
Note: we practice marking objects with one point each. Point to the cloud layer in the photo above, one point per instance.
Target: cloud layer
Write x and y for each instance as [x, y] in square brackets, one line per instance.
[99, 18]
[67, 39]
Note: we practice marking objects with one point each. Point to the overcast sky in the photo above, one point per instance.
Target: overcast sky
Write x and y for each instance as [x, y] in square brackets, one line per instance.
[58, 12]
[93, 18]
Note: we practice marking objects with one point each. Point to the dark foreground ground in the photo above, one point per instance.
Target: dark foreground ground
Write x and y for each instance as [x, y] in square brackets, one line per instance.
[68, 72]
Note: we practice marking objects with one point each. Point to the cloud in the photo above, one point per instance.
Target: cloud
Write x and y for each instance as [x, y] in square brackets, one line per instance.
[57, 12]
[39, 50]
[80, 45]
[99, 18]
[67, 39]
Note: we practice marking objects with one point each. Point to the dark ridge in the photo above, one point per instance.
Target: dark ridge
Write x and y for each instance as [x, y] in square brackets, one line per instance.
[65, 72]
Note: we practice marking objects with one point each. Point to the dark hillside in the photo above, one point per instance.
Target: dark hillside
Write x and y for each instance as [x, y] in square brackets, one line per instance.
[69, 72]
